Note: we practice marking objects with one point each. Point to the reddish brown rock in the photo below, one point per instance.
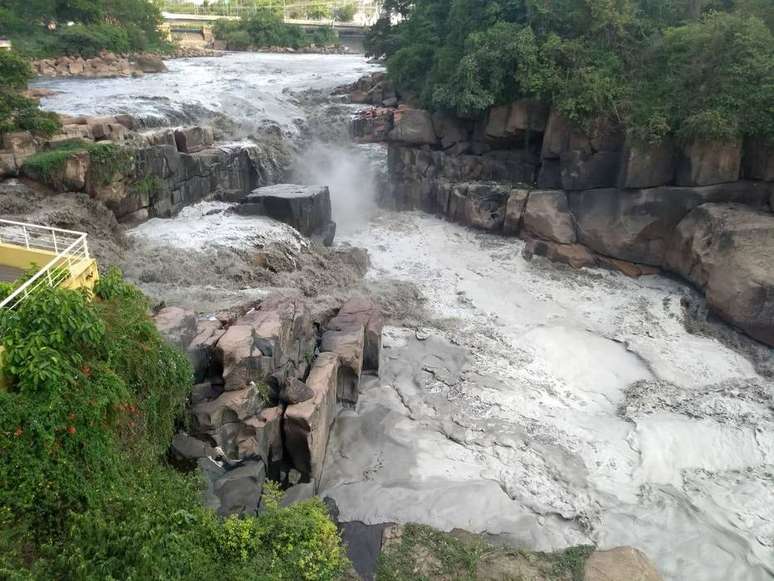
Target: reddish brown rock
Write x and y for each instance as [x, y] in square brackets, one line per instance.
[307, 424]
[361, 311]
[348, 345]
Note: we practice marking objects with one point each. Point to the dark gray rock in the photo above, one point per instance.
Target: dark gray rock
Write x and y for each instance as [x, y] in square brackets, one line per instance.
[582, 171]
[485, 205]
[298, 493]
[758, 159]
[239, 490]
[514, 211]
[306, 208]
[185, 447]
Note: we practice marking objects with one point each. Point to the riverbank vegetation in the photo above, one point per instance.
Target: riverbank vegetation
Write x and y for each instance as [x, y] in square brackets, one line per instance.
[266, 28]
[695, 69]
[17, 112]
[85, 491]
[81, 27]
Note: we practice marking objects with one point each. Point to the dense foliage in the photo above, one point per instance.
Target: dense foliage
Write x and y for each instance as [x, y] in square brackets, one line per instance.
[84, 489]
[690, 68]
[54, 27]
[17, 112]
[266, 28]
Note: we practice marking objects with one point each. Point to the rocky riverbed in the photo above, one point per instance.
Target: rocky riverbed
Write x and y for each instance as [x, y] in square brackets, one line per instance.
[541, 404]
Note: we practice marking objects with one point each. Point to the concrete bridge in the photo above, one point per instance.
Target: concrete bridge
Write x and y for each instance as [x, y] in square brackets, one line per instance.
[196, 29]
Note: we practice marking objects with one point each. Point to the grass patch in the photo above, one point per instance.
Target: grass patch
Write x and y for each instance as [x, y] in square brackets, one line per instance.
[106, 161]
[425, 554]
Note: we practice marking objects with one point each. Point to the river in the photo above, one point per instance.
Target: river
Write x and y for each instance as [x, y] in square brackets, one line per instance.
[540, 404]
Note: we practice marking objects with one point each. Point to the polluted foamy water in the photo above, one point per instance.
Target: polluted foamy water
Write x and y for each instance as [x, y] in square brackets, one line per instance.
[554, 407]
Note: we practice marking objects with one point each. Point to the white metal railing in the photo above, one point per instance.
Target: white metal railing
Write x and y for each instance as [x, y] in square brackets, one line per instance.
[70, 248]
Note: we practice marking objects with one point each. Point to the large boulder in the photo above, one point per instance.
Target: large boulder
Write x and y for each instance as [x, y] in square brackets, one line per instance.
[306, 208]
[150, 63]
[485, 206]
[357, 312]
[575, 255]
[307, 424]
[547, 216]
[727, 250]
[193, 139]
[619, 564]
[233, 491]
[258, 436]
[710, 162]
[348, 344]
[229, 407]
[647, 165]
[636, 225]
[414, 126]
[178, 326]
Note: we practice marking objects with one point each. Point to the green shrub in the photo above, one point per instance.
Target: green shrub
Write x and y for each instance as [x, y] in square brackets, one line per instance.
[88, 40]
[15, 71]
[16, 111]
[84, 489]
[693, 70]
[106, 160]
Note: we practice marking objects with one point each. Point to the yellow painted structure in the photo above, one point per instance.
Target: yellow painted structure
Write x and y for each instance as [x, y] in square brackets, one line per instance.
[83, 274]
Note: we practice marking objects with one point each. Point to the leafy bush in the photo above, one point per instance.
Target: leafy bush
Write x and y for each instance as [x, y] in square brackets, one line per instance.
[84, 490]
[88, 41]
[16, 111]
[266, 29]
[688, 69]
[106, 160]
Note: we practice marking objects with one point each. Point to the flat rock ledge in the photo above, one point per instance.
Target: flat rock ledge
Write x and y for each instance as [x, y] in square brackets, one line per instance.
[306, 208]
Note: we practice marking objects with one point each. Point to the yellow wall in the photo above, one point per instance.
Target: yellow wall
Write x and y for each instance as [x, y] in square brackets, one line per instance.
[83, 274]
[20, 257]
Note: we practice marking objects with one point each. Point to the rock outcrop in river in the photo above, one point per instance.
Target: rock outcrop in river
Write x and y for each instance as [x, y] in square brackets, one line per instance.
[595, 198]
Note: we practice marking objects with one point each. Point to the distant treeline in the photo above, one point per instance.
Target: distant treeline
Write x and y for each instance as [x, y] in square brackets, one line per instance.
[686, 68]
[266, 28]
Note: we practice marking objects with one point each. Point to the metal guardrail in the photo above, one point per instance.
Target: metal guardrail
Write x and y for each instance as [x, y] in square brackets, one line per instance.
[70, 248]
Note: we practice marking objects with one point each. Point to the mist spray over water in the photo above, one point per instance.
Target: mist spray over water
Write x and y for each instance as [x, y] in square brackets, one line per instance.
[355, 175]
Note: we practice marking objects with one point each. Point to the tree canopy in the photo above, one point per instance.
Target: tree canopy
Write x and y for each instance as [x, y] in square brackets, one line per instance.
[688, 68]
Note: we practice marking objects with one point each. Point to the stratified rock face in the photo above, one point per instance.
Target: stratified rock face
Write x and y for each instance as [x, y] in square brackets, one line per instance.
[414, 126]
[547, 216]
[581, 170]
[712, 162]
[306, 208]
[348, 344]
[636, 225]
[307, 424]
[728, 250]
[362, 312]
[647, 165]
[176, 325]
[512, 121]
[619, 564]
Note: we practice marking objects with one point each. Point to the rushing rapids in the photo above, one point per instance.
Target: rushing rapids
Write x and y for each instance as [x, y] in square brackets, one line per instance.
[527, 400]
